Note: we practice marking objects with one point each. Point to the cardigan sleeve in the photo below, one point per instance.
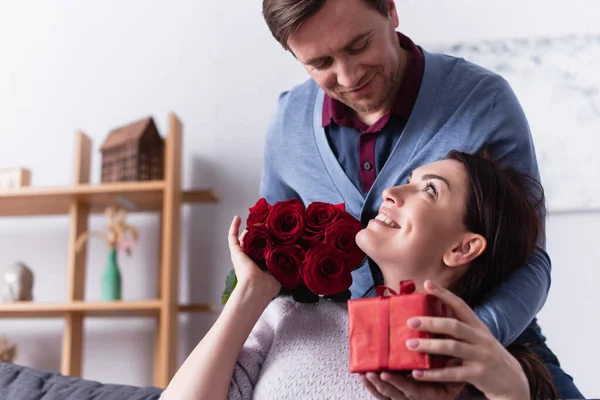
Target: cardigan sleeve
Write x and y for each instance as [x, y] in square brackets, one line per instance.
[511, 306]
[252, 357]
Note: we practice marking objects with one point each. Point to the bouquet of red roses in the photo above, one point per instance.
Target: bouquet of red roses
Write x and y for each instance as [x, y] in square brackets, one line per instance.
[308, 250]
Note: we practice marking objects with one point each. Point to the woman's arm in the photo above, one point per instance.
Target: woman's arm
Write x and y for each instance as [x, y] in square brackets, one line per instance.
[208, 370]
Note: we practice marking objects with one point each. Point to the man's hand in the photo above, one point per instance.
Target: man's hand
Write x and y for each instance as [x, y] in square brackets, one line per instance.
[389, 386]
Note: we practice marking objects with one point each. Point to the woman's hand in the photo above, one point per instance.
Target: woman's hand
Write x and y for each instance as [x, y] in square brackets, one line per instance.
[484, 362]
[249, 275]
[390, 386]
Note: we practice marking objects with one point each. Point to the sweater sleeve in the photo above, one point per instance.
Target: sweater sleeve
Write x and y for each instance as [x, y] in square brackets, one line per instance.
[511, 306]
[272, 187]
[252, 357]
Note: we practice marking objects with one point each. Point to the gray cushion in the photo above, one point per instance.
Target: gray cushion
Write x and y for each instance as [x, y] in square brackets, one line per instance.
[23, 383]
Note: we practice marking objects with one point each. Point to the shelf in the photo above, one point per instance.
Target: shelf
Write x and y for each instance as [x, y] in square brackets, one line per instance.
[134, 308]
[133, 196]
[196, 308]
[92, 309]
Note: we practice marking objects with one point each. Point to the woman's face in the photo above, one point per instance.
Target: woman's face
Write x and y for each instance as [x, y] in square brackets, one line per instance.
[419, 222]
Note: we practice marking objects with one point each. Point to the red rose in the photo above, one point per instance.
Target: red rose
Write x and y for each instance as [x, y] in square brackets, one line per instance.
[286, 220]
[258, 213]
[283, 262]
[307, 241]
[320, 215]
[257, 241]
[342, 235]
[324, 270]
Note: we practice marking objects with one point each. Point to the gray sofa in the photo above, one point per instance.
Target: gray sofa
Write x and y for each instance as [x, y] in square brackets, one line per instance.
[23, 383]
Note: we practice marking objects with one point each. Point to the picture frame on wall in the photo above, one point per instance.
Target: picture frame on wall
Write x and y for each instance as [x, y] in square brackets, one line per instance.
[556, 80]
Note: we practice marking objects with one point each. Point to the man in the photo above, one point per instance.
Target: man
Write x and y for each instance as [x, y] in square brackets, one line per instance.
[377, 106]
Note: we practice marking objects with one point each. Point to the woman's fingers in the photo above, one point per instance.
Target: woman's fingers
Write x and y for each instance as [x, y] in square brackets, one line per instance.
[242, 237]
[403, 385]
[445, 326]
[371, 389]
[234, 229]
[458, 374]
[235, 249]
[412, 389]
[460, 309]
[445, 347]
[385, 389]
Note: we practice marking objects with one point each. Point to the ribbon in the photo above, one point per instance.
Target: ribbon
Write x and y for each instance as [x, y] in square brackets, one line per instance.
[406, 287]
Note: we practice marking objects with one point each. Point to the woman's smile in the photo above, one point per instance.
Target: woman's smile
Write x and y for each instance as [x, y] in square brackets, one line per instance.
[386, 220]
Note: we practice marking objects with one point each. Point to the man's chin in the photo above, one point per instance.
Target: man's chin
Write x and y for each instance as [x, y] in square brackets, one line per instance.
[363, 105]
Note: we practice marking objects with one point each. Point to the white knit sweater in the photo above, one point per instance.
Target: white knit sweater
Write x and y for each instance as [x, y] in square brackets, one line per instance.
[298, 351]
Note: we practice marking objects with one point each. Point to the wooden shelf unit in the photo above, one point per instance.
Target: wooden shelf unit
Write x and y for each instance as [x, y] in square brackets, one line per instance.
[135, 196]
[81, 200]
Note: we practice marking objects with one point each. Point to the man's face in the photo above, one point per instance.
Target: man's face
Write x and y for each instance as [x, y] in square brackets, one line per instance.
[351, 51]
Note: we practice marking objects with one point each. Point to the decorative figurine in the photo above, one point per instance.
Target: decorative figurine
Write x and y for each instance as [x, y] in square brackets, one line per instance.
[17, 283]
[116, 239]
[134, 152]
[7, 353]
[14, 177]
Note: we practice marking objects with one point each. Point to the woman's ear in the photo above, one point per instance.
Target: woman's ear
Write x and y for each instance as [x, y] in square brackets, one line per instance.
[469, 248]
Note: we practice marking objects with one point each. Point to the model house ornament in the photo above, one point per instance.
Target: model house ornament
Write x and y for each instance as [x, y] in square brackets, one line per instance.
[17, 283]
[14, 177]
[133, 152]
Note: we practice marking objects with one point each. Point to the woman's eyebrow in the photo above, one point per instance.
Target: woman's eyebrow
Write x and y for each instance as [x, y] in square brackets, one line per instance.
[438, 177]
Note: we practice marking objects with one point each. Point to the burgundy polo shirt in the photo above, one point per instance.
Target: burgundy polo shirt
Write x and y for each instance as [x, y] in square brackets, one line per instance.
[338, 115]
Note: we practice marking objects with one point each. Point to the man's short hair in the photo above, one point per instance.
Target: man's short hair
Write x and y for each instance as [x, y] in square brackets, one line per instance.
[284, 17]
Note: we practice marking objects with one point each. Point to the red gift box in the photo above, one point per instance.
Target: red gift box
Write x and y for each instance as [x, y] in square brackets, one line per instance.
[378, 331]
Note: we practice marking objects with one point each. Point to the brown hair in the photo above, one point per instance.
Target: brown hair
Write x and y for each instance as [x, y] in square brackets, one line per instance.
[502, 205]
[284, 17]
[505, 207]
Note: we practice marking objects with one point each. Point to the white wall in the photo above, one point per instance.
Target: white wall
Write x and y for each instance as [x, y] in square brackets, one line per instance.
[68, 65]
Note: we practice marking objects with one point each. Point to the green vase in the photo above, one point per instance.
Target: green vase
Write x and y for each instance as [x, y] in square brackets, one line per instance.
[111, 278]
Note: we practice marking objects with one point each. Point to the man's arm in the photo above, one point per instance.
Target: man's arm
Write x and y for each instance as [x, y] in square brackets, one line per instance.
[272, 186]
[511, 306]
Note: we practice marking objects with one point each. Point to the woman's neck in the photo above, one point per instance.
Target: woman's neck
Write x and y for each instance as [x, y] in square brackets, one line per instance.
[393, 276]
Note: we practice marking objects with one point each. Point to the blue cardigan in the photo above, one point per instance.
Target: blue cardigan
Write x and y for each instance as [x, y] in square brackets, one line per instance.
[460, 106]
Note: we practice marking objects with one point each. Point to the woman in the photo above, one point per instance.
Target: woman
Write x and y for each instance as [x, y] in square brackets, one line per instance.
[498, 208]
[461, 221]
